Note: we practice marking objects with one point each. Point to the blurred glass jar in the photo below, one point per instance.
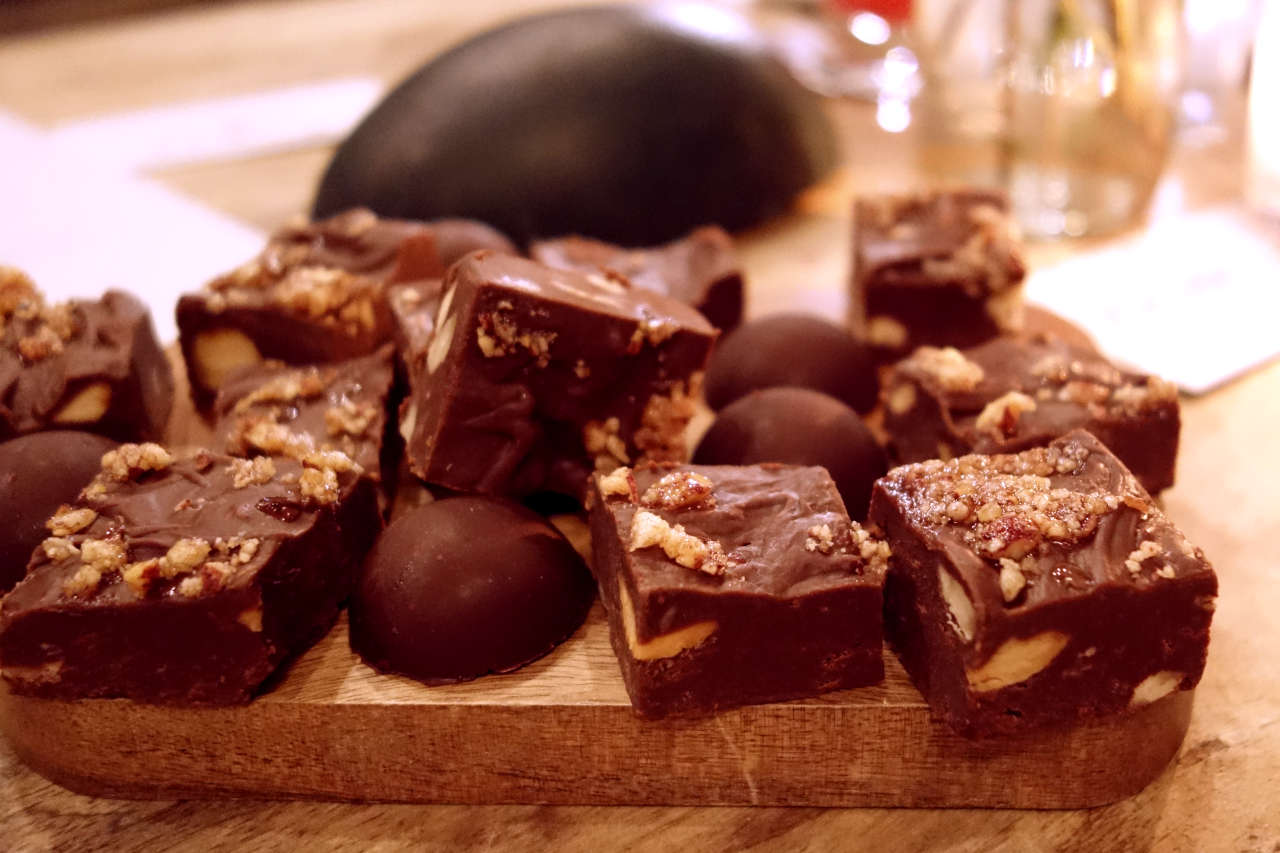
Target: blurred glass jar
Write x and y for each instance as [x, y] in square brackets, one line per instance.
[1067, 104]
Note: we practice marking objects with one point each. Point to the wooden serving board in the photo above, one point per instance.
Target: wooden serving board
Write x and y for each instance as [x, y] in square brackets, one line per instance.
[561, 731]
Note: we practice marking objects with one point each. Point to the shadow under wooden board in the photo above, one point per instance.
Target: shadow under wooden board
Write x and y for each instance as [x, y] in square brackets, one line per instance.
[562, 731]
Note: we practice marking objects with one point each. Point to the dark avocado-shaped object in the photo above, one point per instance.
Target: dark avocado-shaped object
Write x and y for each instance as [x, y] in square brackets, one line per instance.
[631, 124]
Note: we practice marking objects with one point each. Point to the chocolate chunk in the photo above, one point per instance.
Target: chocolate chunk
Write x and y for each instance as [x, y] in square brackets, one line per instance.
[798, 426]
[278, 410]
[185, 580]
[39, 473]
[700, 269]
[1040, 588]
[467, 586]
[83, 364]
[1013, 393]
[940, 268]
[458, 237]
[792, 349]
[1042, 323]
[730, 586]
[533, 377]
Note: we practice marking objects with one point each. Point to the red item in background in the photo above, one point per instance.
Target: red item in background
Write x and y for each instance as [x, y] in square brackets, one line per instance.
[893, 11]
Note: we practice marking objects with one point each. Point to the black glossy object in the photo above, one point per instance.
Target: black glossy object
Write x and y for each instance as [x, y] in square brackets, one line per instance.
[798, 426]
[39, 473]
[466, 586]
[630, 124]
[792, 349]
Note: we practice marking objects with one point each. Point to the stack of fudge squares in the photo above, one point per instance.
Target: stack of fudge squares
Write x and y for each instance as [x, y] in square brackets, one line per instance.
[1016, 560]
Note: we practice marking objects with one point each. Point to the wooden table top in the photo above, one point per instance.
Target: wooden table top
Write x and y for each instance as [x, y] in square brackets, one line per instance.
[1220, 794]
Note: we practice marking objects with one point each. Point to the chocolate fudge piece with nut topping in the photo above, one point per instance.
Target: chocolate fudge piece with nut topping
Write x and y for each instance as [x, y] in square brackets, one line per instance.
[1013, 393]
[700, 268]
[316, 293]
[535, 377]
[271, 409]
[186, 580]
[1039, 589]
[943, 268]
[734, 585]
[90, 365]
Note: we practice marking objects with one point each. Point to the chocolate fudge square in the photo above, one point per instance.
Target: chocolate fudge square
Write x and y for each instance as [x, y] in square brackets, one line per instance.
[941, 268]
[188, 580]
[90, 365]
[1039, 589]
[535, 377]
[316, 293]
[700, 269]
[734, 585]
[1013, 393]
[273, 409]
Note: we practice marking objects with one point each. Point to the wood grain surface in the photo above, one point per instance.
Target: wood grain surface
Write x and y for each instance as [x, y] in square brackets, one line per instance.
[1218, 794]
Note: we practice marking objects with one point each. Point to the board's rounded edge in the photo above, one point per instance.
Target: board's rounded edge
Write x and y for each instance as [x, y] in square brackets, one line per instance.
[785, 754]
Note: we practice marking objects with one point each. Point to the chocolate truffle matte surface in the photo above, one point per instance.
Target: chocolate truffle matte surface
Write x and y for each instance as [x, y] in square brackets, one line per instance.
[91, 365]
[39, 473]
[1039, 589]
[466, 586]
[734, 585]
[798, 426]
[185, 580]
[792, 349]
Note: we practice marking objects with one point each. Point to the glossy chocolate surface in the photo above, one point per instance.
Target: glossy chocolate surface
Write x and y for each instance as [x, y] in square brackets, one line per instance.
[799, 350]
[338, 406]
[798, 426]
[700, 269]
[942, 268]
[1039, 588]
[39, 473]
[535, 376]
[762, 592]
[89, 365]
[1013, 393]
[466, 586]
[185, 581]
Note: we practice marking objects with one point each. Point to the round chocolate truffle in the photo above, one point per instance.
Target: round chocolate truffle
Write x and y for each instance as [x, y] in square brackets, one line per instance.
[798, 426]
[39, 473]
[792, 349]
[465, 586]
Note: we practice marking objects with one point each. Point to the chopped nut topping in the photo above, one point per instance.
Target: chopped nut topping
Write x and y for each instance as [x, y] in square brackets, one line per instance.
[349, 418]
[655, 330]
[1005, 503]
[648, 530]
[947, 366]
[129, 460]
[58, 549]
[286, 388]
[192, 586]
[18, 293]
[1001, 415]
[1145, 551]
[602, 441]
[620, 482]
[875, 552]
[820, 539]
[105, 555]
[68, 520]
[680, 490]
[1012, 580]
[183, 556]
[581, 370]
[83, 582]
[660, 437]
[498, 335]
[256, 471]
[319, 484]
[40, 345]
[334, 460]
